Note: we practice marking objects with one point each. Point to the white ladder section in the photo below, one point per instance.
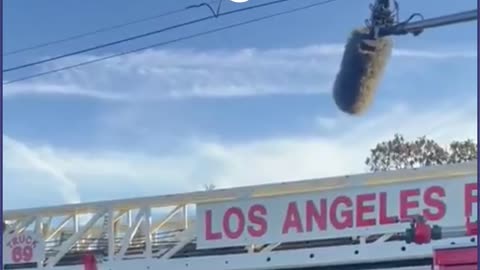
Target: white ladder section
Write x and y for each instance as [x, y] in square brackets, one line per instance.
[178, 231]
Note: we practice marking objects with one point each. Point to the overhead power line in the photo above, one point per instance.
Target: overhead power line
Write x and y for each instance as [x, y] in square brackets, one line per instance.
[187, 37]
[98, 31]
[109, 44]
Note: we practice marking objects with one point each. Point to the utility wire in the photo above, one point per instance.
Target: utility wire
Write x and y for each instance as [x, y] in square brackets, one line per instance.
[171, 41]
[98, 31]
[274, 2]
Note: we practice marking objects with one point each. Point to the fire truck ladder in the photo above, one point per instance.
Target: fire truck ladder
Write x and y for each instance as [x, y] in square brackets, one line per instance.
[161, 233]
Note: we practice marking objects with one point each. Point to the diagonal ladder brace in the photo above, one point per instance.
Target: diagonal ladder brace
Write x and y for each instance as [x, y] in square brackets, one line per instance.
[185, 238]
[59, 228]
[23, 225]
[65, 247]
[158, 225]
[132, 230]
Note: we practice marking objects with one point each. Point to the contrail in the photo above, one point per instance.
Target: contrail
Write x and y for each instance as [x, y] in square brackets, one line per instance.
[67, 186]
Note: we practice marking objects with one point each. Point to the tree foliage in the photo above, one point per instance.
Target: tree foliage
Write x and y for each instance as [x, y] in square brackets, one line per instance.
[398, 153]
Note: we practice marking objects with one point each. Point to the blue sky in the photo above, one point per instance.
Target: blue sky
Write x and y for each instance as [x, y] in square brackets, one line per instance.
[246, 106]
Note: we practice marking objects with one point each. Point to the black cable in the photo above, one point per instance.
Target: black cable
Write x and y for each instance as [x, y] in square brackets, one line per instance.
[170, 41]
[98, 31]
[209, 7]
[274, 2]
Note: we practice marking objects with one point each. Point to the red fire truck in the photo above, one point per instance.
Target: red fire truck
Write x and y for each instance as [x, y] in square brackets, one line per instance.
[406, 219]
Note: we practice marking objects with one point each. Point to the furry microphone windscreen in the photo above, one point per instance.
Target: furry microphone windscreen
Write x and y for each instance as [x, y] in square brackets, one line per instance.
[360, 72]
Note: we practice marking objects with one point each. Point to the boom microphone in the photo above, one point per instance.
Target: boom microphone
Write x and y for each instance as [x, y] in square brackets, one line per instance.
[361, 69]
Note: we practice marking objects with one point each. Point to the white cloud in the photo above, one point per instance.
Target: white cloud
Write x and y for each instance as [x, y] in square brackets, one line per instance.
[327, 123]
[107, 175]
[436, 54]
[19, 156]
[160, 74]
[58, 89]
[45, 174]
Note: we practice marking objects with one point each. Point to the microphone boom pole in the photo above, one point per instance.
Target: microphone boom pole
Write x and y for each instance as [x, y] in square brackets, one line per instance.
[368, 49]
[419, 26]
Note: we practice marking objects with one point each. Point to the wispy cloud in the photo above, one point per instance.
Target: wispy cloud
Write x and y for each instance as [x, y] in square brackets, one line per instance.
[436, 54]
[179, 74]
[58, 175]
[107, 175]
[59, 89]
[19, 156]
